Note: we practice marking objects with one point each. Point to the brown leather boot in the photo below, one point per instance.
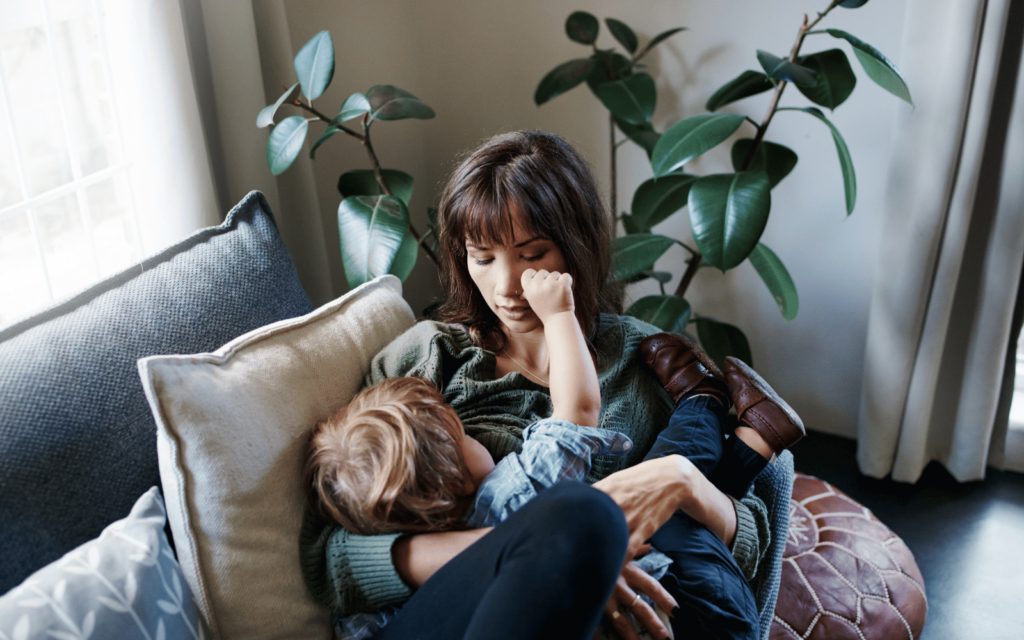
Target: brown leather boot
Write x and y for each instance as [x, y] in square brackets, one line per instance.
[683, 368]
[760, 408]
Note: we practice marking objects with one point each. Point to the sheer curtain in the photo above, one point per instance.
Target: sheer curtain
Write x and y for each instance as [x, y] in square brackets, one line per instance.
[103, 159]
[953, 246]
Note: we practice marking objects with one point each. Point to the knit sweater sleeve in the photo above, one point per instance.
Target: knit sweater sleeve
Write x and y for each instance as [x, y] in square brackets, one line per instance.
[752, 533]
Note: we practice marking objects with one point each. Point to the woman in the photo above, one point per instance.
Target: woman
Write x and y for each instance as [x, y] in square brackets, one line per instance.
[521, 201]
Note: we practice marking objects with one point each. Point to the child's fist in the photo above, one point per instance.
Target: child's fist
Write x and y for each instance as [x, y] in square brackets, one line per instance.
[548, 292]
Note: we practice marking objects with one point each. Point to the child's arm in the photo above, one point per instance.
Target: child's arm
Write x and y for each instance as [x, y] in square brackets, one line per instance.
[575, 392]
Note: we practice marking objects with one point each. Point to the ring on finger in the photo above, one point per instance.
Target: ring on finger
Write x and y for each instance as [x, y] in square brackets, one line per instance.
[616, 615]
[632, 604]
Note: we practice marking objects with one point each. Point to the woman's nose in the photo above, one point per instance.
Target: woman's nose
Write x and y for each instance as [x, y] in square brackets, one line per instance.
[509, 281]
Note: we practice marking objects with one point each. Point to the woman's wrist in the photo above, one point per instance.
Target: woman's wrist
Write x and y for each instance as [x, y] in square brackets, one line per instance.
[417, 557]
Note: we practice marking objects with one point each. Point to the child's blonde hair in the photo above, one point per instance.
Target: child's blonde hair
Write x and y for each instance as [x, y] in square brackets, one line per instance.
[389, 461]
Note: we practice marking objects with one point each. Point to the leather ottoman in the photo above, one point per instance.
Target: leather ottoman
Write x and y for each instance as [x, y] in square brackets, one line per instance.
[844, 573]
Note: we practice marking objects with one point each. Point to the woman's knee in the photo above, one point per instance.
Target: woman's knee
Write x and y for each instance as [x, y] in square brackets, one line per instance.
[580, 524]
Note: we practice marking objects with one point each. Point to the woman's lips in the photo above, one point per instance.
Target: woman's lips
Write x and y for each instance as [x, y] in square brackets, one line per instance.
[515, 313]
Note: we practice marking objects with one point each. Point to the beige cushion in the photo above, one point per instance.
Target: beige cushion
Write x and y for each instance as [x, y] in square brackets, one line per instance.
[231, 429]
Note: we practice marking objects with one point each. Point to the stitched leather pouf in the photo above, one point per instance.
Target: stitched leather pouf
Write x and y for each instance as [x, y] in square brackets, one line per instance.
[844, 573]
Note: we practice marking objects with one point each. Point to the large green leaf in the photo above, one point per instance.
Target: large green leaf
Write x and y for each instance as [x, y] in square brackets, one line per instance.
[721, 340]
[582, 27]
[836, 79]
[372, 229]
[777, 279]
[782, 69]
[324, 137]
[634, 254]
[405, 259]
[845, 161]
[689, 138]
[314, 65]
[658, 39]
[354, 105]
[621, 32]
[668, 313]
[749, 83]
[774, 159]
[608, 65]
[266, 115]
[644, 135]
[363, 182]
[285, 143]
[658, 198]
[562, 78]
[631, 100]
[728, 213]
[388, 102]
[877, 66]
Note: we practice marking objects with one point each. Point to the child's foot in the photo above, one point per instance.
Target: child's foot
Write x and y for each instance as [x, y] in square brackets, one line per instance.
[761, 410]
[683, 369]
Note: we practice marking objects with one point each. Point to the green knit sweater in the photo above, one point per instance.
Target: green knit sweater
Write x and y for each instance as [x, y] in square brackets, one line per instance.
[350, 573]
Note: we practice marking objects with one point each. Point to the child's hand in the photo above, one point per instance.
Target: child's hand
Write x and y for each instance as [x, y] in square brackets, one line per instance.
[548, 293]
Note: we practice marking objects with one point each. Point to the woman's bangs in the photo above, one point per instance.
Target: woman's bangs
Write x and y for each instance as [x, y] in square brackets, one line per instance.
[489, 224]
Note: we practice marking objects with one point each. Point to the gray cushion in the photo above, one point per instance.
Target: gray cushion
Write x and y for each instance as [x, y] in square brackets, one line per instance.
[774, 485]
[77, 439]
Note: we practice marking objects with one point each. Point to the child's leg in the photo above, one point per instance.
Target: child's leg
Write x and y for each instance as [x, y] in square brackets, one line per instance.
[738, 467]
[715, 599]
[694, 431]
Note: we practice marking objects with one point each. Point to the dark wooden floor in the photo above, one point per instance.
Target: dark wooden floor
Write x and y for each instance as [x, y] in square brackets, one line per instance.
[968, 539]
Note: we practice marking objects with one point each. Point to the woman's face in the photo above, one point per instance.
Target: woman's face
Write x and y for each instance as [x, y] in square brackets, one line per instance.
[497, 270]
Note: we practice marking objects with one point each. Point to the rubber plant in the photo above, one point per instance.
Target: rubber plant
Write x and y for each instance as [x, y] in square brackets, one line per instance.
[373, 216]
[727, 212]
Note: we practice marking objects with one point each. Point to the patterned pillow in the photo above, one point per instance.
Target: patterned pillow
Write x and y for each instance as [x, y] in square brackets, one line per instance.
[123, 584]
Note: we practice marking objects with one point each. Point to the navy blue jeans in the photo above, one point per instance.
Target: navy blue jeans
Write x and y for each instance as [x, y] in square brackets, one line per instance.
[546, 572]
[715, 599]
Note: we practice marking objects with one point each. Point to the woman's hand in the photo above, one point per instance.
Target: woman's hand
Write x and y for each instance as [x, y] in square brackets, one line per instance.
[651, 491]
[624, 602]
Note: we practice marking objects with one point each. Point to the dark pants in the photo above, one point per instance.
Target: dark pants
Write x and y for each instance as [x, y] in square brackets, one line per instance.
[546, 572]
[715, 599]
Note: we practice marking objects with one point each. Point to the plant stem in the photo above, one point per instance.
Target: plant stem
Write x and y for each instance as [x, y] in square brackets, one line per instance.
[694, 265]
[781, 86]
[383, 184]
[691, 270]
[612, 189]
[341, 127]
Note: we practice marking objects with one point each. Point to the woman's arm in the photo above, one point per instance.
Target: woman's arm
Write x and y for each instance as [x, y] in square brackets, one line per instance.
[417, 557]
[651, 491]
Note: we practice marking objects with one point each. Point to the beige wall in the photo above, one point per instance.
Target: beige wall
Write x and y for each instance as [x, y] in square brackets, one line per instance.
[478, 63]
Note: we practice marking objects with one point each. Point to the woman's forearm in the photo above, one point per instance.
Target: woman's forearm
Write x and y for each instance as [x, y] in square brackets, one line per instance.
[705, 503]
[417, 557]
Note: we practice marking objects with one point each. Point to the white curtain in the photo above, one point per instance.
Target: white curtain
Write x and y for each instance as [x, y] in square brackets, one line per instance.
[953, 246]
[171, 184]
[236, 45]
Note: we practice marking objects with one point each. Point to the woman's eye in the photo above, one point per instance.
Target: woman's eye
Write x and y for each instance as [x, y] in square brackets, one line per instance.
[534, 258]
[483, 262]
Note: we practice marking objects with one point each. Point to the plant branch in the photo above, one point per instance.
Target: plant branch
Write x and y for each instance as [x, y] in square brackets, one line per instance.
[612, 189]
[691, 270]
[386, 190]
[794, 53]
[315, 112]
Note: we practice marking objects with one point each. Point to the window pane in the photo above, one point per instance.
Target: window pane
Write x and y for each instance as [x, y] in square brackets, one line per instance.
[22, 285]
[81, 61]
[113, 226]
[10, 190]
[66, 247]
[31, 82]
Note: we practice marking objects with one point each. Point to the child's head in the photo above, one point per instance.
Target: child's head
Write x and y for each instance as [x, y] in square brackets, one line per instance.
[396, 458]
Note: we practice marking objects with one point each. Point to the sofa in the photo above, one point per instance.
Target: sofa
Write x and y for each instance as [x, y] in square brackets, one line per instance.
[151, 430]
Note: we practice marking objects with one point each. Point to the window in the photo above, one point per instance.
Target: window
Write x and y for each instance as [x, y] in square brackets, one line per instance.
[67, 216]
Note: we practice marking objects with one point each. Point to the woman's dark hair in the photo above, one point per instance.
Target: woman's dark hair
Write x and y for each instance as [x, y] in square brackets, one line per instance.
[542, 178]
